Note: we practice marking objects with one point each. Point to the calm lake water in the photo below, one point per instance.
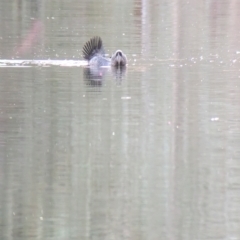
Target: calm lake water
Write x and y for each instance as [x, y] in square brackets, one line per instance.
[152, 152]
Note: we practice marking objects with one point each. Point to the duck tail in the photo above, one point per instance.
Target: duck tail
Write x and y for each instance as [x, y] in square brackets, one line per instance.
[92, 47]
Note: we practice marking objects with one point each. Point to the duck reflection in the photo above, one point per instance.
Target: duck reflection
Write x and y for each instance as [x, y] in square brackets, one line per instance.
[119, 72]
[94, 76]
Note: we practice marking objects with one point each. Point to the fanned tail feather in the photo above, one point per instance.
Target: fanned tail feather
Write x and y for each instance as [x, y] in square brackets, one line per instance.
[92, 47]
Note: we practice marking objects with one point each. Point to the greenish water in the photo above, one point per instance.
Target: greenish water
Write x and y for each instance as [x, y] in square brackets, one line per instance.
[148, 153]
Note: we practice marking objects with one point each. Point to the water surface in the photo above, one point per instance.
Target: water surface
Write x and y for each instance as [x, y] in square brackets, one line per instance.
[148, 153]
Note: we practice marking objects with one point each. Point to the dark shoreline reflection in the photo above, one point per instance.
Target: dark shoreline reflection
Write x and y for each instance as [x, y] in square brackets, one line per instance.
[94, 76]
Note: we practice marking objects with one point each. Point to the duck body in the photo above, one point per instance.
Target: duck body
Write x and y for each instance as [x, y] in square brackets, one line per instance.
[94, 53]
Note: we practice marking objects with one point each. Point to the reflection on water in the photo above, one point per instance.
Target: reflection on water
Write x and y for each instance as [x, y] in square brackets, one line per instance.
[94, 76]
[147, 152]
[119, 72]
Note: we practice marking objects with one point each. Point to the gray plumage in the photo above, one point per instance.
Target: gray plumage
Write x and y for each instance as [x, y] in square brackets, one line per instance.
[94, 53]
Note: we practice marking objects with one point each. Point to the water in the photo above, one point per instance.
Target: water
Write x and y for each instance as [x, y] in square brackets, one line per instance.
[149, 153]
